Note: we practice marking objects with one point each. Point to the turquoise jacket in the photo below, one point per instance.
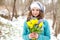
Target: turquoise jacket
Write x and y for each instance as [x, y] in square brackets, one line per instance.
[45, 35]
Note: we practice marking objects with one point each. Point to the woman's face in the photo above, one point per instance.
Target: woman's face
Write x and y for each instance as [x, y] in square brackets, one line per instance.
[35, 11]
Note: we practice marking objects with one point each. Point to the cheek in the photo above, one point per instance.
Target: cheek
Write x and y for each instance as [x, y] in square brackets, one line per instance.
[37, 13]
[33, 12]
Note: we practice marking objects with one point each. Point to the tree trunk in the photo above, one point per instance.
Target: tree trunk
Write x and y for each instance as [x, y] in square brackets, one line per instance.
[14, 13]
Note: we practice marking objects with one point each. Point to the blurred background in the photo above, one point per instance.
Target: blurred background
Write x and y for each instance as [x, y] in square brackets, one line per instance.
[13, 13]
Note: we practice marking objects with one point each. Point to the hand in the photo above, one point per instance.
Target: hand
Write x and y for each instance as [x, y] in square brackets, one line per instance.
[33, 35]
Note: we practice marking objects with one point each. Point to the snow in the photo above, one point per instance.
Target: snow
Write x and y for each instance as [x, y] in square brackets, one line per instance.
[58, 37]
[15, 28]
[4, 11]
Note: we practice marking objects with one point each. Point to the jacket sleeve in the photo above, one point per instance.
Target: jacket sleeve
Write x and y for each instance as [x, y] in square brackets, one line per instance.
[25, 32]
[46, 35]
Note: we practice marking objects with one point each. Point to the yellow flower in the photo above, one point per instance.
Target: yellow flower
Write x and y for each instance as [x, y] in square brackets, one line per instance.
[34, 21]
[30, 24]
[41, 24]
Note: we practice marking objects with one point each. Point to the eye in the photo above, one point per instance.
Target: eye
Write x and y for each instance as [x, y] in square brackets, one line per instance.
[37, 9]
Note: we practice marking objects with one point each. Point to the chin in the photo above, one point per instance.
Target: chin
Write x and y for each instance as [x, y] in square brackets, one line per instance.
[35, 15]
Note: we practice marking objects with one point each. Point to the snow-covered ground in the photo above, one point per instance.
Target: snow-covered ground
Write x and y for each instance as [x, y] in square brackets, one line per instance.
[52, 32]
[12, 30]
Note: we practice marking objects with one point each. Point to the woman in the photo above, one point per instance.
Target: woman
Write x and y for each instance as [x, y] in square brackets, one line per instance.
[36, 11]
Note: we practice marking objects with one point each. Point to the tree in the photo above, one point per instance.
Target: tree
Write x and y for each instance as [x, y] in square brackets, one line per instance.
[14, 13]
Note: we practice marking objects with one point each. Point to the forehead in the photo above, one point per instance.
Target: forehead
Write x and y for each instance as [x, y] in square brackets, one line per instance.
[35, 8]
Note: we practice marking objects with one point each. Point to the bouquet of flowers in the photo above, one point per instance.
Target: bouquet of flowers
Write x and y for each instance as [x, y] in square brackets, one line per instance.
[34, 26]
